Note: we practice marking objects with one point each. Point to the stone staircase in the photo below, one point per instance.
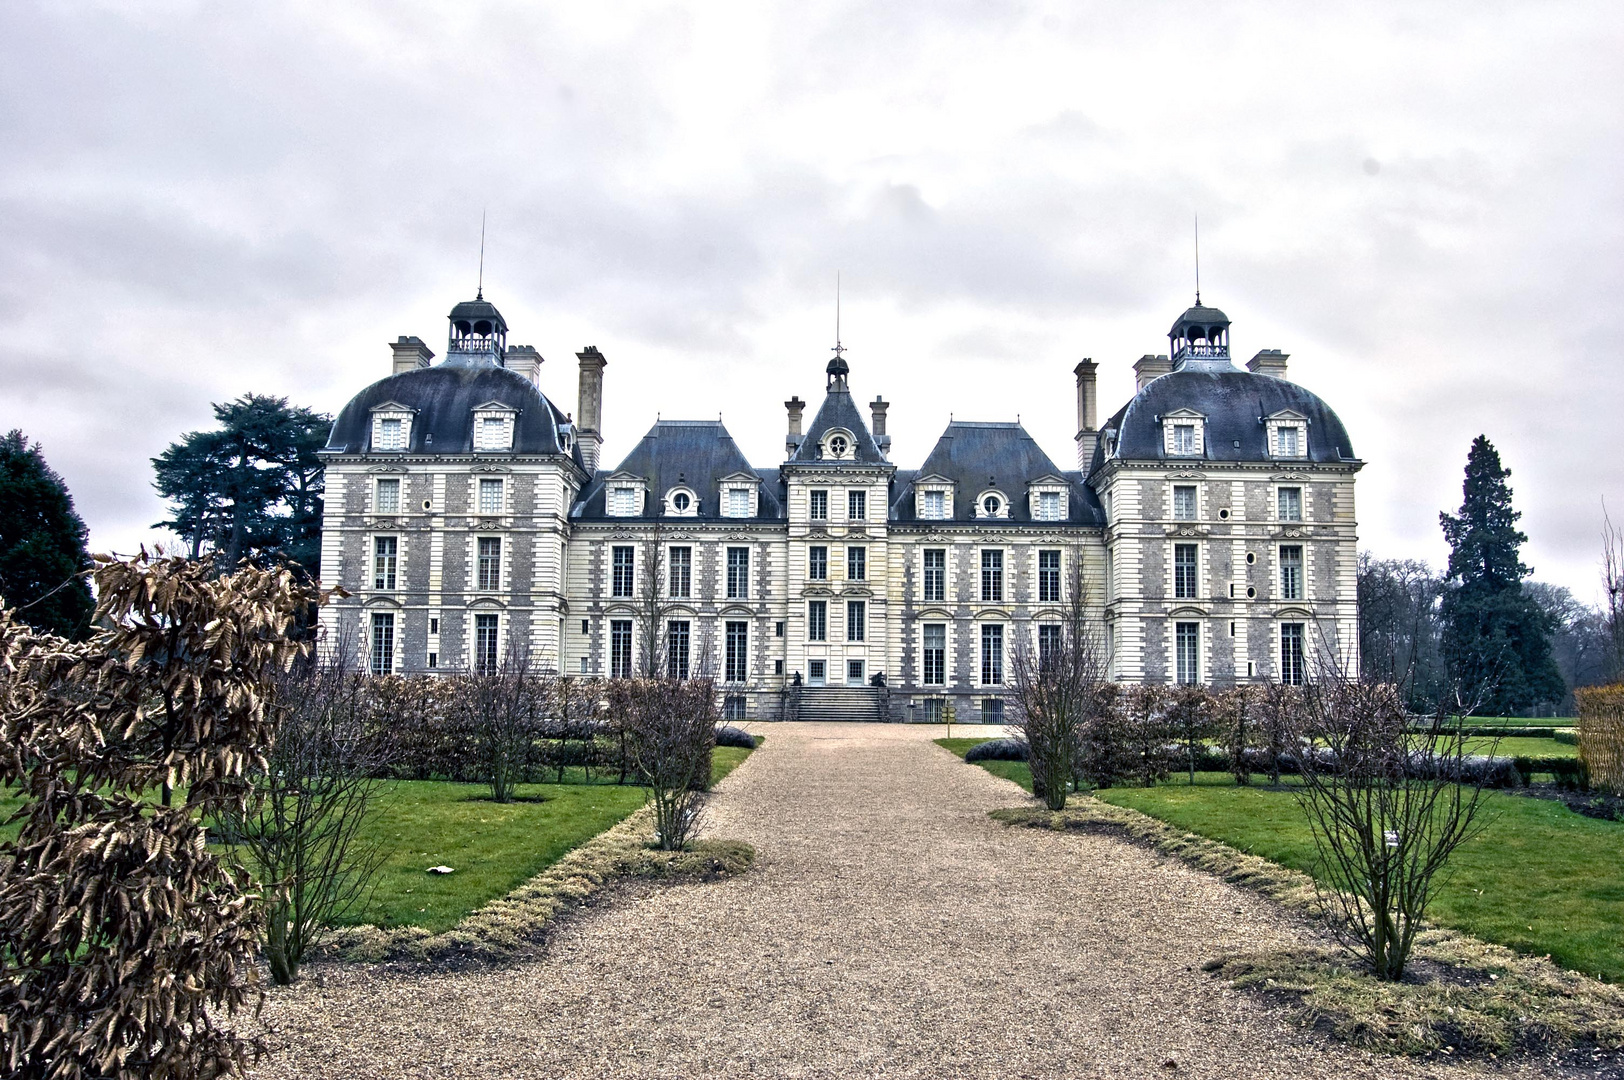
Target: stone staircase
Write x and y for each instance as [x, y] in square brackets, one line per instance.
[860, 703]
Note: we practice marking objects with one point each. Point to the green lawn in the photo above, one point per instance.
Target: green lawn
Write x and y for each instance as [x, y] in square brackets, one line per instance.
[1540, 878]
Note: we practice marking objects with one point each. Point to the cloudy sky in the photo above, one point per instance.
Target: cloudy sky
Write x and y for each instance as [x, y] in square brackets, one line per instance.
[1423, 203]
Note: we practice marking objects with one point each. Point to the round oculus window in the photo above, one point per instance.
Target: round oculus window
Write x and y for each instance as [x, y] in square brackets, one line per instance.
[991, 505]
[681, 500]
[837, 446]
[1251, 557]
[1223, 515]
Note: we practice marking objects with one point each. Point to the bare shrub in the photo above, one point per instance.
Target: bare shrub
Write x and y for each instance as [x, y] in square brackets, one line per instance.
[1058, 690]
[1235, 711]
[502, 714]
[120, 929]
[669, 727]
[1388, 803]
[1280, 723]
[1105, 753]
[1191, 717]
[301, 831]
[1145, 723]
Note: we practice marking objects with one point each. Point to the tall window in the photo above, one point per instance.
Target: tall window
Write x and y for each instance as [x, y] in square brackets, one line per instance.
[490, 496]
[856, 564]
[624, 562]
[935, 574]
[856, 617]
[1048, 645]
[620, 648]
[738, 502]
[1291, 653]
[738, 573]
[383, 644]
[817, 563]
[388, 496]
[1185, 573]
[490, 563]
[493, 433]
[1290, 502]
[1187, 640]
[936, 504]
[676, 648]
[820, 504]
[383, 562]
[680, 571]
[1048, 577]
[935, 654]
[1184, 502]
[485, 644]
[1285, 442]
[623, 501]
[992, 654]
[857, 505]
[391, 434]
[1048, 506]
[817, 620]
[738, 635]
[1183, 438]
[992, 575]
[1291, 572]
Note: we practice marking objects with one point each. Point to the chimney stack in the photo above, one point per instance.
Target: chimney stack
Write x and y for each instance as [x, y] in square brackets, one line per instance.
[877, 409]
[410, 354]
[1087, 434]
[588, 429]
[1268, 362]
[525, 360]
[1148, 368]
[792, 441]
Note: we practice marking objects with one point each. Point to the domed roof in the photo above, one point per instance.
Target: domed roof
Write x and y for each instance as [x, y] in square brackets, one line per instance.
[472, 311]
[1200, 315]
[1233, 403]
[442, 400]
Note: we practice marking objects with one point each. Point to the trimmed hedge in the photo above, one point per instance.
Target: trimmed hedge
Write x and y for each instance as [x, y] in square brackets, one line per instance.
[1601, 734]
[997, 750]
[728, 735]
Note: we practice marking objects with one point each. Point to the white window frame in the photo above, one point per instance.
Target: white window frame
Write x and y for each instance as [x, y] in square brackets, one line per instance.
[737, 498]
[622, 499]
[480, 487]
[1003, 505]
[1302, 499]
[405, 440]
[1287, 423]
[1182, 418]
[1180, 675]
[671, 499]
[493, 429]
[1036, 497]
[1195, 502]
[377, 494]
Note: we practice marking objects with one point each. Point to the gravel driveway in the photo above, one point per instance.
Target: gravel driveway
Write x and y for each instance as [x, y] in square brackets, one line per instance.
[888, 929]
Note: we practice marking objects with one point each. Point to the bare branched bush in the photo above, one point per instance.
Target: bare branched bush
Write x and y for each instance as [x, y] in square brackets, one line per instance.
[1105, 753]
[301, 831]
[1280, 729]
[1192, 718]
[669, 726]
[1388, 803]
[502, 713]
[1059, 683]
[120, 930]
[1148, 731]
[1236, 710]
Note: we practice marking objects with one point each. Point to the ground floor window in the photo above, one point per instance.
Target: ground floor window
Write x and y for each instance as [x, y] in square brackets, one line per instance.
[992, 654]
[935, 656]
[383, 644]
[1048, 645]
[738, 636]
[676, 649]
[733, 707]
[1187, 640]
[992, 710]
[1291, 653]
[620, 648]
[935, 710]
[485, 644]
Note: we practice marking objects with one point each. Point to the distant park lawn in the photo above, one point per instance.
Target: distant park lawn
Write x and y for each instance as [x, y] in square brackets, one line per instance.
[492, 847]
[1540, 878]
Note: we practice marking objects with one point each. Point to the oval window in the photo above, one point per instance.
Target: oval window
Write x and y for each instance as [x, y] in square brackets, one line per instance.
[680, 500]
[991, 504]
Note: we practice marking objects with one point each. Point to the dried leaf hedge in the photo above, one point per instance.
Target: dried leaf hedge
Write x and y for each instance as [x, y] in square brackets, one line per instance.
[1601, 735]
[119, 929]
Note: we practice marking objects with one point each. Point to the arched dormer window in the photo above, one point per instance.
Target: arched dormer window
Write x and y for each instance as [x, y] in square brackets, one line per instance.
[839, 445]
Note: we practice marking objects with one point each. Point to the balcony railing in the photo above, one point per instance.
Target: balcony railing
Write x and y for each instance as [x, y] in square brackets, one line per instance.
[1203, 352]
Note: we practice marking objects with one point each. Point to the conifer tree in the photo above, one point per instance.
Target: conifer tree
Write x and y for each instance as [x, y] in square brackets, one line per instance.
[1497, 639]
[43, 561]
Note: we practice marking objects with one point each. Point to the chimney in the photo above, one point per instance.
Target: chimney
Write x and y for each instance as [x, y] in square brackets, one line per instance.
[1268, 362]
[525, 360]
[1087, 435]
[410, 354]
[792, 441]
[1149, 367]
[588, 430]
[877, 409]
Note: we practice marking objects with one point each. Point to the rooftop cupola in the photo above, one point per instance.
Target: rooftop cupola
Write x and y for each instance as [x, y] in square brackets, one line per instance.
[478, 332]
[838, 369]
[1201, 333]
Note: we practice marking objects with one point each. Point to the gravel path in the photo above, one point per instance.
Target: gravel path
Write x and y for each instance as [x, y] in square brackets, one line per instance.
[889, 929]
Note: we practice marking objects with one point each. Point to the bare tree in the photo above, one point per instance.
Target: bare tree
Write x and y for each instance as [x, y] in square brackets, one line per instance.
[302, 830]
[1612, 575]
[1388, 803]
[652, 605]
[670, 733]
[503, 713]
[1059, 688]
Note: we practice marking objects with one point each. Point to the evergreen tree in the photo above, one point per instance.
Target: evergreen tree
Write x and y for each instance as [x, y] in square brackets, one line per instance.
[253, 488]
[1497, 639]
[43, 561]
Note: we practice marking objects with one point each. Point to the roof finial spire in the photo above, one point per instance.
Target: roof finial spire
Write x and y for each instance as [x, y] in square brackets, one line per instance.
[839, 348]
[1198, 259]
[480, 292]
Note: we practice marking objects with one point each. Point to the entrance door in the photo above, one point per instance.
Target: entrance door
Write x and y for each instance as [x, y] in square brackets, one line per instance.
[814, 672]
[854, 673]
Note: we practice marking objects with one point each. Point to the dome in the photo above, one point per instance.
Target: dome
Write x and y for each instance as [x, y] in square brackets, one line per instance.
[474, 312]
[1233, 404]
[1200, 315]
[442, 400]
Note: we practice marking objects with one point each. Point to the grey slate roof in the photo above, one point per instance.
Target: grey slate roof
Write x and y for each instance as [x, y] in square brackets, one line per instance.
[839, 411]
[970, 453]
[1234, 403]
[696, 454]
[443, 399]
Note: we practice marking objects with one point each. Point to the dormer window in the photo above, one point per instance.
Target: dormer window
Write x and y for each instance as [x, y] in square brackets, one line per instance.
[1183, 438]
[1047, 499]
[1048, 506]
[493, 428]
[391, 429]
[738, 502]
[680, 502]
[1288, 435]
[738, 496]
[992, 504]
[1182, 433]
[1285, 442]
[935, 505]
[623, 501]
[838, 445]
